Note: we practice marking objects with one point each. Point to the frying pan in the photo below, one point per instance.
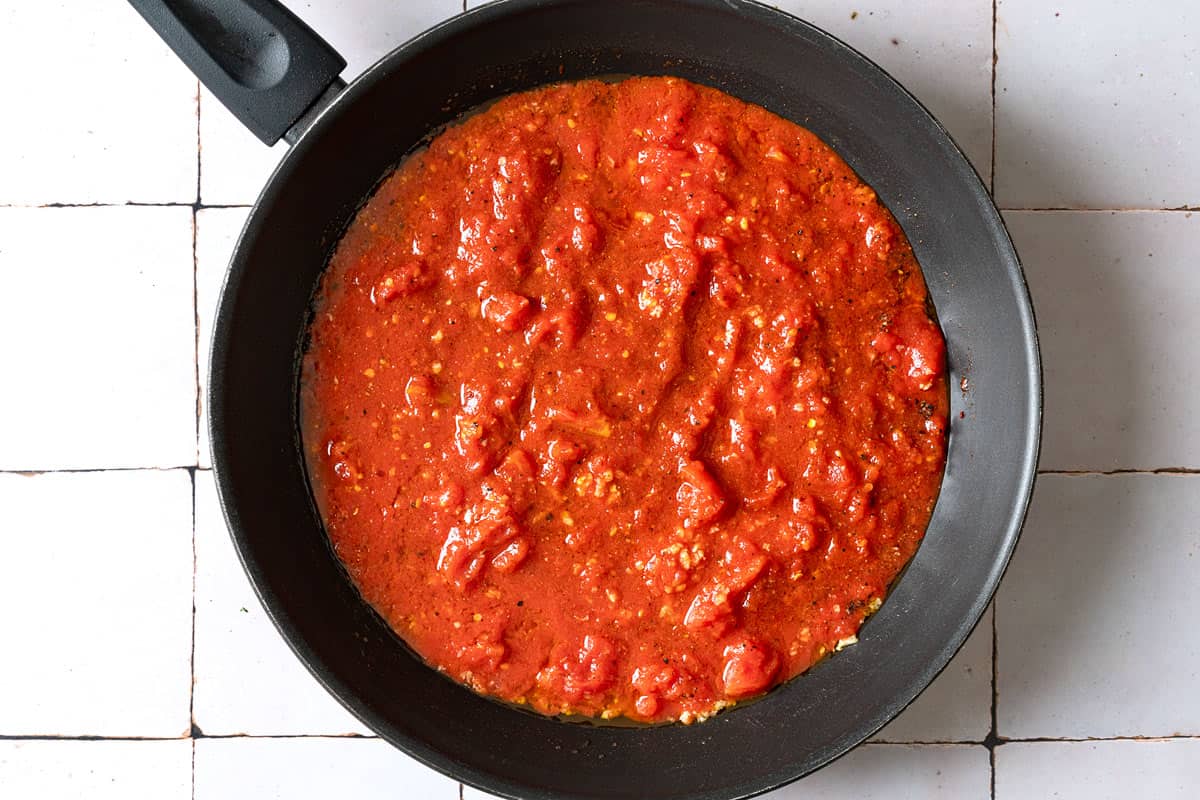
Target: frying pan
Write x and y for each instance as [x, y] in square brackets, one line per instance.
[281, 80]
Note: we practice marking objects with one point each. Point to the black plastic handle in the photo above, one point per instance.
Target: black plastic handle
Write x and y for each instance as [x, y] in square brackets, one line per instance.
[258, 58]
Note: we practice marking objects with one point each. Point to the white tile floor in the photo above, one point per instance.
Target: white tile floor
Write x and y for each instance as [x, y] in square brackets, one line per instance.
[1101, 647]
[96, 390]
[98, 770]
[362, 769]
[1096, 104]
[89, 122]
[1115, 294]
[85, 654]
[1080, 105]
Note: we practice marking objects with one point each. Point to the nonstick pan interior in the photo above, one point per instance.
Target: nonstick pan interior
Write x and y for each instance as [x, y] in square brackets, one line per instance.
[761, 56]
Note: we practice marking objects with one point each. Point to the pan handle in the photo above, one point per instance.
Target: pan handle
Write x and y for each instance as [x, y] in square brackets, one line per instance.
[267, 67]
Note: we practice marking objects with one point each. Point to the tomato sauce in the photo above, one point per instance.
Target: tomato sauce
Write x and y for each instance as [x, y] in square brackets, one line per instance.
[623, 399]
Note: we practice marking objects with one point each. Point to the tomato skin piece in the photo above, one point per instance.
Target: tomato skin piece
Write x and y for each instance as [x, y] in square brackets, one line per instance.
[714, 605]
[749, 668]
[700, 498]
[914, 347]
[646, 705]
[582, 670]
[400, 282]
[507, 310]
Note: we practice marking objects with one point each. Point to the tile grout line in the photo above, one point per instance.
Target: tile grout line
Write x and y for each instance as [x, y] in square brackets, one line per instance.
[1000, 741]
[200, 206]
[196, 272]
[86, 470]
[1181, 737]
[1086, 210]
[995, 60]
[993, 737]
[199, 147]
[196, 206]
[1123, 471]
[1006, 740]
[48, 737]
[192, 729]
[196, 468]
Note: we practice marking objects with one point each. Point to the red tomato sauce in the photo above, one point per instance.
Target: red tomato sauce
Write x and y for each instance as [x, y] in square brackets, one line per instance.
[623, 399]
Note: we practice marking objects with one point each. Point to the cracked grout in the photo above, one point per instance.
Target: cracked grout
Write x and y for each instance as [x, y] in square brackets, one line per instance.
[195, 206]
[990, 740]
[192, 685]
[1123, 471]
[1115, 210]
[193, 736]
[86, 470]
[995, 60]
[196, 281]
[1001, 741]
[199, 202]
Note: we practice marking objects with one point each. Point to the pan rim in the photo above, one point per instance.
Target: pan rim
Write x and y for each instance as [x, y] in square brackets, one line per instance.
[1025, 471]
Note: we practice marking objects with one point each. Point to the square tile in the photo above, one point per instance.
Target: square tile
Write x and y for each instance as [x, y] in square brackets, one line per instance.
[99, 110]
[247, 680]
[1096, 636]
[364, 31]
[104, 770]
[884, 772]
[217, 230]
[313, 769]
[957, 706]
[97, 327]
[947, 65]
[234, 164]
[1096, 104]
[1163, 770]
[97, 582]
[1116, 297]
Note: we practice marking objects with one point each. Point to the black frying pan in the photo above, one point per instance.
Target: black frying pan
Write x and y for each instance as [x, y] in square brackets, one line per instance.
[280, 78]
